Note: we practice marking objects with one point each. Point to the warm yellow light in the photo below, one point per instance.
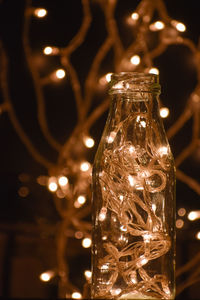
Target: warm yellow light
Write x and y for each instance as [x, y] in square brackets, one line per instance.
[135, 60]
[180, 27]
[154, 71]
[108, 77]
[135, 16]
[60, 73]
[179, 223]
[181, 212]
[46, 276]
[164, 112]
[52, 184]
[40, 12]
[198, 235]
[78, 235]
[85, 166]
[193, 215]
[158, 25]
[88, 274]
[81, 199]
[48, 50]
[86, 242]
[76, 295]
[89, 142]
[63, 180]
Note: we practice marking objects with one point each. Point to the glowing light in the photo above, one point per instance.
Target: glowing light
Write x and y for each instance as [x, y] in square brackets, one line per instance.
[179, 26]
[40, 12]
[85, 166]
[179, 223]
[63, 180]
[108, 77]
[60, 73]
[158, 25]
[102, 214]
[154, 71]
[81, 199]
[193, 215]
[121, 197]
[52, 184]
[198, 235]
[78, 235]
[135, 16]
[104, 267]
[181, 212]
[163, 151]
[131, 180]
[88, 274]
[76, 295]
[111, 137]
[48, 50]
[135, 60]
[88, 141]
[86, 242]
[46, 276]
[164, 112]
[143, 124]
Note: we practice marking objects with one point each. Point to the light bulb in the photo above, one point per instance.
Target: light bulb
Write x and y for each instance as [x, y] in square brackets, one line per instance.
[154, 71]
[108, 77]
[76, 295]
[88, 274]
[198, 235]
[85, 166]
[86, 242]
[135, 16]
[60, 73]
[193, 215]
[63, 180]
[178, 25]
[46, 276]
[181, 212]
[158, 25]
[52, 184]
[164, 112]
[40, 12]
[135, 60]
[81, 199]
[88, 141]
[179, 223]
[48, 50]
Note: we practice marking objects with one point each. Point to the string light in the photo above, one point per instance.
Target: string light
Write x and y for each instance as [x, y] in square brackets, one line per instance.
[85, 166]
[178, 25]
[164, 112]
[198, 235]
[88, 141]
[88, 274]
[40, 12]
[60, 73]
[181, 212]
[135, 60]
[154, 71]
[76, 295]
[86, 242]
[135, 16]
[63, 180]
[52, 184]
[46, 276]
[108, 77]
[81, 199]
[158, 25]
[194, 215]
[48, 50]
[179, 223]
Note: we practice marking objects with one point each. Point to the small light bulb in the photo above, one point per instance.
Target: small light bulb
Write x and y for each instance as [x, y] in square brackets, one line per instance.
[135, 60]
[179, 223]
[85, 166]
[180, 27]
[88, 274]
[164, 112]
[181, 212]
[198, 235]
[76, 295]
[86, 242]
[63, 180]
[52, 184]
[81, 199]
[48, 50]
[46, 276]
[40, 12]
[135, 16]
[154, 71]
[193, 215]
[158, 25]
[89, 142]
[108, 77]
[60, 73]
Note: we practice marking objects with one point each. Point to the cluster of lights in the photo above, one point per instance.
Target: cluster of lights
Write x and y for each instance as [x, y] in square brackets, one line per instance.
[53, 183]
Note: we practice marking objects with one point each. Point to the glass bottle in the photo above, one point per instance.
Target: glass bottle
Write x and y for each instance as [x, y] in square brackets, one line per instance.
[133, 188]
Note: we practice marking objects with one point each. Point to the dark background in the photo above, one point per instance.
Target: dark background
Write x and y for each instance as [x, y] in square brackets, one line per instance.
[21, 218]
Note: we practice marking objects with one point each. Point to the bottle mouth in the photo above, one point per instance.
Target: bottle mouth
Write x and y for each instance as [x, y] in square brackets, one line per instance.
[131, 82]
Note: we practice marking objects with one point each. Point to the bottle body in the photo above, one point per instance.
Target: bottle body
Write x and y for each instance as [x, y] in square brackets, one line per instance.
[133, 197]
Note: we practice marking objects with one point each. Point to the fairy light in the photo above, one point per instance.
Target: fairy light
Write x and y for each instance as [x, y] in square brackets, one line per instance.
[76, 295]
[164, 112]
[102, 214]
[81, 199]
[198, 235]
[178, 25]
[181, 212]
[40, 12]
[193, 215]
[46, 276]
[88, 274]
[52, 184]
[135, 16]
[179, 223]
[86, 242]
[154, 71]
[60, 73]
[135, 60]
[63, 180]
[85, 166]
[48, 50]
[163, 151]
[108, 77]
[89, 142]
[78, 235]
[158, 25]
